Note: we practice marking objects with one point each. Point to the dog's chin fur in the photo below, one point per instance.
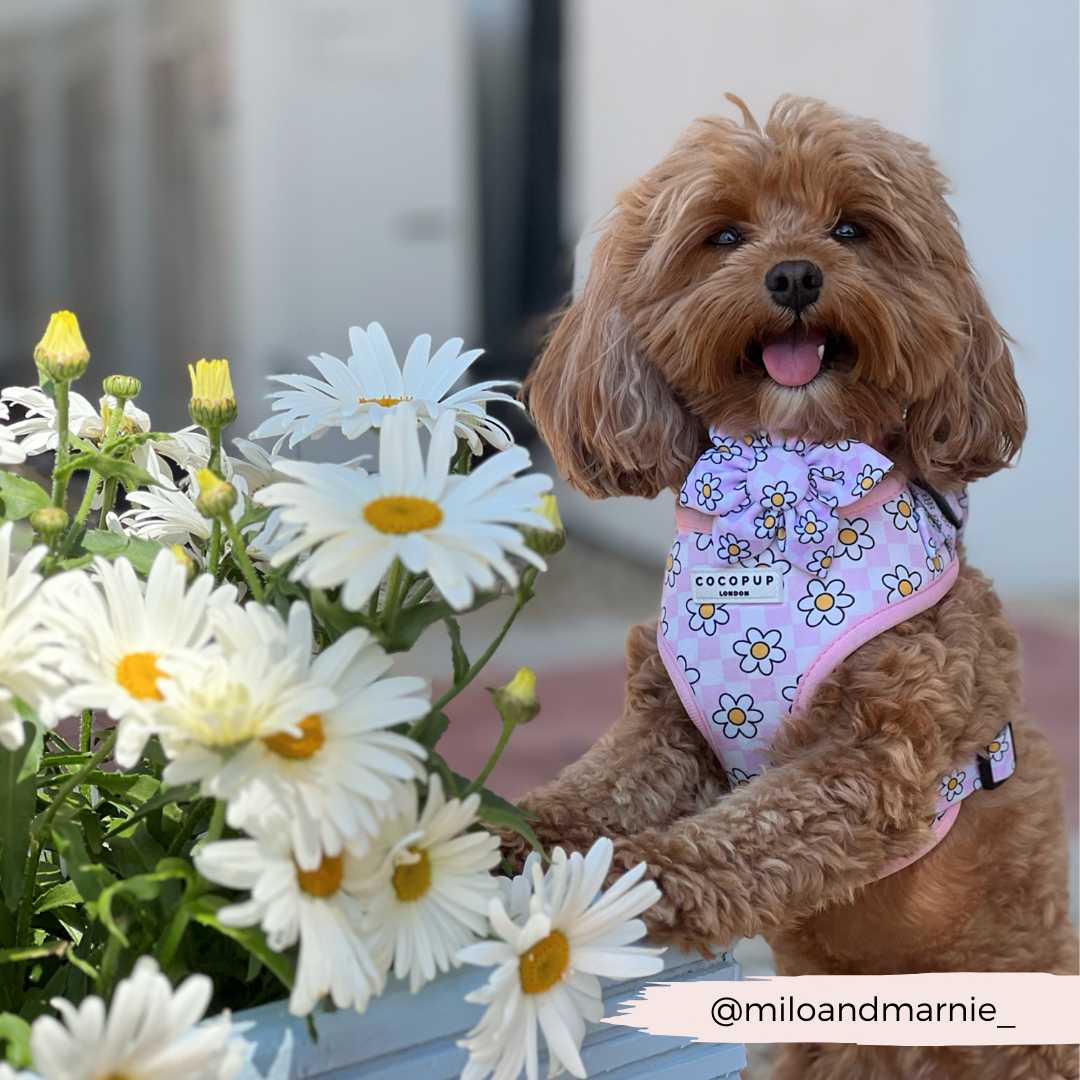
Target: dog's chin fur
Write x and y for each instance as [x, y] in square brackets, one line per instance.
[665, 342]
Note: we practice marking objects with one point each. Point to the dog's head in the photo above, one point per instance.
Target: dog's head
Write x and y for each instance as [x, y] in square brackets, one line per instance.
[807, 280]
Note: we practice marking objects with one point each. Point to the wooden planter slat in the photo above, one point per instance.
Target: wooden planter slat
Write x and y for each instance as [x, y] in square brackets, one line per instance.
[413, 1037]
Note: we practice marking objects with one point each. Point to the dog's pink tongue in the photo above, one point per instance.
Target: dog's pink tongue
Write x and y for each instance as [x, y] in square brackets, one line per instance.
[793, 359]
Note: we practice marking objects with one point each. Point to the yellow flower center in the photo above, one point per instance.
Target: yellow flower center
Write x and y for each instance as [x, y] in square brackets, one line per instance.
[770, 521]
[866, 483]
[952, 783]
[733, 549]
[545, 963]
[904, 587]
[847, 536]
[826, 562]
[290, 746]
[823, 601]
[994, 747]
[724, 449]
[402, 514]
[138, 673]
[777, 499]
[903, 508]
[326, 880]
[759, 650]
[385, 402]
[937, 562]
[736, 717]
[670, 561]
[810, 527]
[412, 880]
[781, 533]
[706, 611]
[706, 490]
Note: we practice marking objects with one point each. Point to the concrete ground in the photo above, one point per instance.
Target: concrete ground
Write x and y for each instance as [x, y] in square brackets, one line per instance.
[572, 635]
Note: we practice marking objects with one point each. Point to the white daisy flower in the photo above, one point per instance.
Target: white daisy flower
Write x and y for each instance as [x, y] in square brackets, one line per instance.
[252, 685]
[318, 908]
[548, 964]
[11, 453]
[334, 769]
[148, 1033]
[23, 673]
[459, 529]
[427, 885]
[360, 394]
[114, 638]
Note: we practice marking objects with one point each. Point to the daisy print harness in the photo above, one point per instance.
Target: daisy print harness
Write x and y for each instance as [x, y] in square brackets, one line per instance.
[788, 557]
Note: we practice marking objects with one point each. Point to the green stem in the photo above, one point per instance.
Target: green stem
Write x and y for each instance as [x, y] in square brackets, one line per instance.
[75, 780]
[108, 962]
[425, 588]
[187, 826]
[240, 552]
[108, 498]
[521, 598]
[214, 464]
[63, 443]
[478, 783]
[215, 549]
[217, 822]
[26, 904]
[393, 593]
[85, 734]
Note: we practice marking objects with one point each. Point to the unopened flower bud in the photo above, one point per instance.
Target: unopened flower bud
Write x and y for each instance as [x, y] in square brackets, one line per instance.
[62, 354]
[213, 403]
[546, 541]
[49, 522]
[185, 560]
[122, 387]
[517, 701]
[216, 496]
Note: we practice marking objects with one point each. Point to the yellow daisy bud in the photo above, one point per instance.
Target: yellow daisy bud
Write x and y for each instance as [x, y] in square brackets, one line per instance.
[216, 496]
[547, 541]
[49, 522]
[213, 403]
[62, 354]
[185, 560]
[122, 387]
[517, 701]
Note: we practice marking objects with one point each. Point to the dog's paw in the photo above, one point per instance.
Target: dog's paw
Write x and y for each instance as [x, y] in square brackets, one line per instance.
[513, 847]
[689, 913]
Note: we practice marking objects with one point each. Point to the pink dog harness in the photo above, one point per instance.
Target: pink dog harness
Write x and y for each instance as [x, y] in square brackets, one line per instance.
[788, 557]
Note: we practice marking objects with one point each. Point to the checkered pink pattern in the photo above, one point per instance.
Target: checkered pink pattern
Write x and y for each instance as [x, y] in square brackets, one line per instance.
[860, 547]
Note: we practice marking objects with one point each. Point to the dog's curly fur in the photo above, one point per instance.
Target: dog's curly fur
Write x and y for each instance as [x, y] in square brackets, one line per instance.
[665, 341]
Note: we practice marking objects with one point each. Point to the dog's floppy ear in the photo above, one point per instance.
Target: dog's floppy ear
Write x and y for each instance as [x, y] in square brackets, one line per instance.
[973, 422]
[613, 424]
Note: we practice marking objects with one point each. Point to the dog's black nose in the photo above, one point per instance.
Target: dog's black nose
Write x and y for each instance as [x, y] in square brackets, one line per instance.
[794, 285]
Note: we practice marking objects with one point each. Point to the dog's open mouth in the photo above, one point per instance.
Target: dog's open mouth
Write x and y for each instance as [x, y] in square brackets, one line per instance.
[797, 356]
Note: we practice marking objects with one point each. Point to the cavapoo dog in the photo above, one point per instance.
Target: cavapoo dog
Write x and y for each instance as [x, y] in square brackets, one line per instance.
[823, 743]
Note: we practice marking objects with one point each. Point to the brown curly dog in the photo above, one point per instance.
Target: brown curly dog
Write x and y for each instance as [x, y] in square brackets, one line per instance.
[667, 340]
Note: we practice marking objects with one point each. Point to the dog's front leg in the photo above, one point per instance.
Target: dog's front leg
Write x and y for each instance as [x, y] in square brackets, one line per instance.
[650, 769]
[799, 837]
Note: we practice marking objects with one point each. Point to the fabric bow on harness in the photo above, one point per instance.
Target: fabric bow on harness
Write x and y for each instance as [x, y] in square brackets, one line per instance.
[762, 494]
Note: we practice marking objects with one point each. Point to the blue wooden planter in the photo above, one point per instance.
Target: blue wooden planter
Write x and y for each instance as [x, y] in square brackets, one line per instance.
[405, 1037]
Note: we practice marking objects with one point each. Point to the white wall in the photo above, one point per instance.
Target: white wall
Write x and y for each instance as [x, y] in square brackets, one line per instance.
[991, 87]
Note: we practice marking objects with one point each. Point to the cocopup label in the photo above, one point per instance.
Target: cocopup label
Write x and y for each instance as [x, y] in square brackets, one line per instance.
[739, 585]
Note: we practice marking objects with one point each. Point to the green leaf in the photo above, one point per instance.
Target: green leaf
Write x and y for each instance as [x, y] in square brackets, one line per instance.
[165, 797]
[431, 729]
[127, 472]
[496, 810]
[18, 801]
[32, 761]
[250, 937]
[19, 497]
[33, 952]
[58, 896]
[457, 651]
[15, 1032]
[139, 552]
[89, 877]
[410, 622]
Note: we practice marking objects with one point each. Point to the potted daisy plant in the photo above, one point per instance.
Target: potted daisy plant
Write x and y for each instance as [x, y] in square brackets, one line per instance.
[216, 797]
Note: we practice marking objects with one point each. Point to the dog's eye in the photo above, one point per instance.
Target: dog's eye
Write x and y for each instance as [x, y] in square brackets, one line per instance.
[725, 237]
[848, 230]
